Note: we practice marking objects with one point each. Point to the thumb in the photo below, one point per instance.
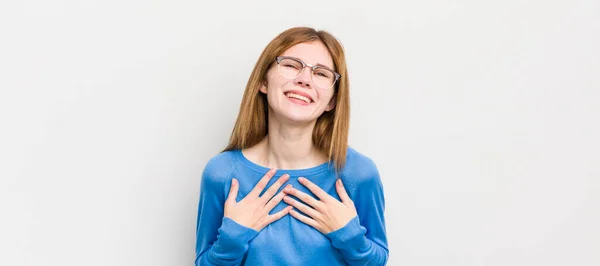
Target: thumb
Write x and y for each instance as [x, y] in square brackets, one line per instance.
[233, 191]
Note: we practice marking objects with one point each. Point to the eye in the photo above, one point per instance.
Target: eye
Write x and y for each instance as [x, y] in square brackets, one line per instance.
[322, 73]
[290, 66]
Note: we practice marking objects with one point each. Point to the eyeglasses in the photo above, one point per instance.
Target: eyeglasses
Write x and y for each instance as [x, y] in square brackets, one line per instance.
[291, 68]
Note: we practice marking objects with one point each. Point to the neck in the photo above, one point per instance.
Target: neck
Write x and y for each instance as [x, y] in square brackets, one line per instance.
[287, 146]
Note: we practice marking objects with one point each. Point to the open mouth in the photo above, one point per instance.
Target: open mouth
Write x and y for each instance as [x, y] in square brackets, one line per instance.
[304, 99]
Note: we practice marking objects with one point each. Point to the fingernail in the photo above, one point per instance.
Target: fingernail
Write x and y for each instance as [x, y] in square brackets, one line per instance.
[300, 179]
[339, 181]
[233, 181]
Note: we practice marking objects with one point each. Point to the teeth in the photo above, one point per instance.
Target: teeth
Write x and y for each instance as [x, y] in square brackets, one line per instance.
[299, 97]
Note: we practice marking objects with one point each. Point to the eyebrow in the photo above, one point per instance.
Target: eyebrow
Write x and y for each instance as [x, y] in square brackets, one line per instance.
[317, 64]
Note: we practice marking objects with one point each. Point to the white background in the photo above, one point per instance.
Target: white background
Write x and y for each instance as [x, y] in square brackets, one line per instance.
[482, 116]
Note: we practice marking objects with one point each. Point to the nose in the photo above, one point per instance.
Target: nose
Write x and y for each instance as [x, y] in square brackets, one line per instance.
[304, 80]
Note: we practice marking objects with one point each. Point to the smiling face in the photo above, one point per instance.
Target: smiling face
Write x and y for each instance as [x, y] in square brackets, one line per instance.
[299, 100]
[267, 95]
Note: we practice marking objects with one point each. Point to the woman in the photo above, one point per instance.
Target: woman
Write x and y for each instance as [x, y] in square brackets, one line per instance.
[324, 205]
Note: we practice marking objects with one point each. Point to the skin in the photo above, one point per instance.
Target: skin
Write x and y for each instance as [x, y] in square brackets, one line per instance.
[289, 145]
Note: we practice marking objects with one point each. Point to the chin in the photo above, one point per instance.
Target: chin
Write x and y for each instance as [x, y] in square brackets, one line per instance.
[295, 114]
[300, 119]
[297, 117]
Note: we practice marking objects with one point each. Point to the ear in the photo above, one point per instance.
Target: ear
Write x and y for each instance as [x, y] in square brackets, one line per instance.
[263, 87]
[331, 104]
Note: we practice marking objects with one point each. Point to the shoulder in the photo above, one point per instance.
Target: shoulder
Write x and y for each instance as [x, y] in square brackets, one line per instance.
[219, 168]
[359, 169]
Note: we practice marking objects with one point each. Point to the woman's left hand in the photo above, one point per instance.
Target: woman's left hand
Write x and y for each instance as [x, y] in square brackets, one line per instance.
[328, 214]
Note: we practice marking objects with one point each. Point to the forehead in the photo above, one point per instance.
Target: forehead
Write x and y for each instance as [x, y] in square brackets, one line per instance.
[312, 53]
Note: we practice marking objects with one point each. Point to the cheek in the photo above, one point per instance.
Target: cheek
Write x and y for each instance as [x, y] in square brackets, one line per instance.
[325, 97]
[276, 82]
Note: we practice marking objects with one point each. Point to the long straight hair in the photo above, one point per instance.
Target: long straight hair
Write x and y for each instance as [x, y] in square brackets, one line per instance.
[330, 134]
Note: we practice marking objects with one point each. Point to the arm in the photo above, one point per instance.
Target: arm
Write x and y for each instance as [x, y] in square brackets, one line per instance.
[219, 240]
[363, 240]
[226, 226]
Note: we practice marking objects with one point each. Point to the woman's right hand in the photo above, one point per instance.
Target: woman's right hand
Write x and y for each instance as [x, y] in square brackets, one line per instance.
[253, 211]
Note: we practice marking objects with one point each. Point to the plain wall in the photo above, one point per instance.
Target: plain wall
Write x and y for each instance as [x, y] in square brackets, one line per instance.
[482, 116]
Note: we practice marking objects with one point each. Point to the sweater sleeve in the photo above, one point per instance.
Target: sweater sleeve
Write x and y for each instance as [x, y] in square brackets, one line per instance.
[363, 240]
[219, 240]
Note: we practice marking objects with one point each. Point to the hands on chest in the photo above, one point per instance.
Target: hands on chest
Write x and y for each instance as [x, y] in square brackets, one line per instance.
[326, 214]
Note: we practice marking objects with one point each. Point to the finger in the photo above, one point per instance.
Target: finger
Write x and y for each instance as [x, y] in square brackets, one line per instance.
[278, 215]
[274, 201]
[262, 183]
[233, 191]
[339, 186]
[273, 189]
[304, 219]
[322, 195]
[301, 207]
[303, 197]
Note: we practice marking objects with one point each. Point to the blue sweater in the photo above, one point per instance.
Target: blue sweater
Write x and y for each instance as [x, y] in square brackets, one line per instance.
[288, 241]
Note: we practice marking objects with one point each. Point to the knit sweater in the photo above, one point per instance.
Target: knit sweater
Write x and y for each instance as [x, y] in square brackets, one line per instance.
[288, 241]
